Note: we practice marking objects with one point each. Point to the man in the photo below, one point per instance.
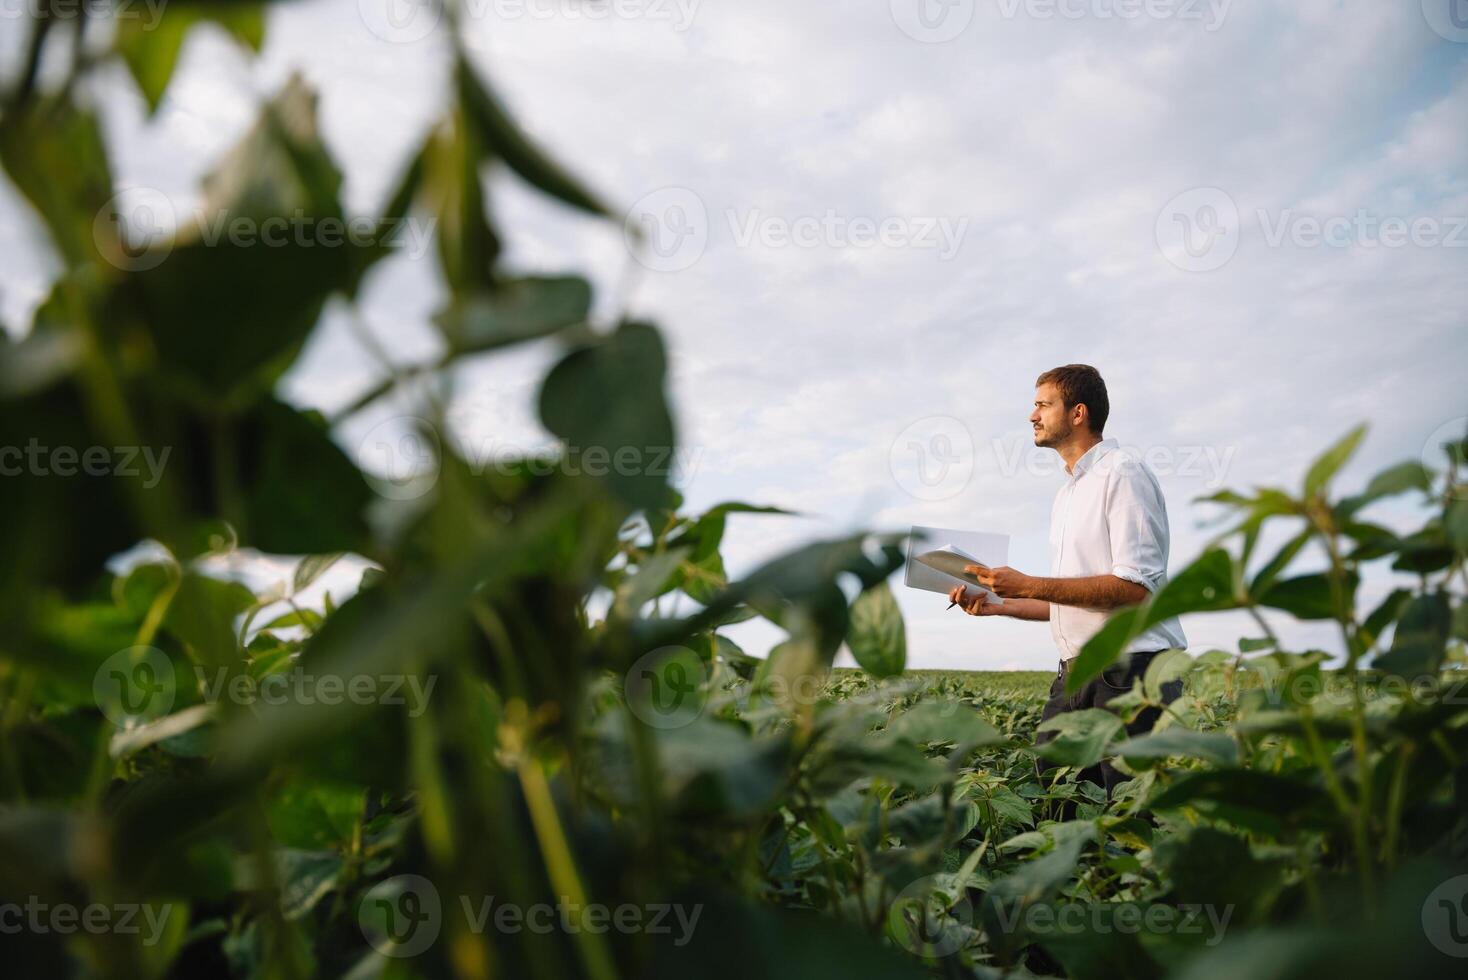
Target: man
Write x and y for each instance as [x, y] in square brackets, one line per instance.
[1108, 549]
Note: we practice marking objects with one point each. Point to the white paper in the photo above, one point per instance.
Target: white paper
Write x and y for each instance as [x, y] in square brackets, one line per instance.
[964, 547]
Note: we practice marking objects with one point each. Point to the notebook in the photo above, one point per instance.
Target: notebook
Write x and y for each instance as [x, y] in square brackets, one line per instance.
[936, 557]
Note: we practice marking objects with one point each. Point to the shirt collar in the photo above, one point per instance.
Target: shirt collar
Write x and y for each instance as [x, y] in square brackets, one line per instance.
[1091, 457]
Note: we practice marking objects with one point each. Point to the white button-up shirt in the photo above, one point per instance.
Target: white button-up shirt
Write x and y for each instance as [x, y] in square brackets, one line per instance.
[1109, 519]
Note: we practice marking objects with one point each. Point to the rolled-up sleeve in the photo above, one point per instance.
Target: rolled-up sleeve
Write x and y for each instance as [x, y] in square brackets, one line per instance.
[1136, 521]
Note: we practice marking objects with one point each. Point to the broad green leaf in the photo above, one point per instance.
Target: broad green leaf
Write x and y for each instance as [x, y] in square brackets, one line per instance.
[515, 310]
[1206, 866]
[1271, 571]
[1421, 637]
[609, 396]
[53, 151]
[944, 721]
[1309, 596]
[877, 635]
[498, 133]
[1179, 742]
[1205, 585]
[1330, 461]
[1081, 737]
[1410, 475]
[311, 568]
[289, 465]
[1250, 799]
[267, 209]
[1384, 615]
[653, 578]
[150, 44]
[203, 613]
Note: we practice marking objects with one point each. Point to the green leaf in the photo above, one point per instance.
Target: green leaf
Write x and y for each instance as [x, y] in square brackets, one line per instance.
[1384, 615]
[54, 154]
[277, 177]
[1410, 475]
[1250, 799]
[202, 615]
[1208, 867]
[1309, 596]
[654, 576]
[1176, 741]
[501, 136]
[1082, 737]
[1205, 585]
[1277, 564]
[149, 46]
[609, 397]
[288, 466]
[515, 310]
[944, 721]
[311, 568]
[1330, 461]
[877, 635]
[1421, 638]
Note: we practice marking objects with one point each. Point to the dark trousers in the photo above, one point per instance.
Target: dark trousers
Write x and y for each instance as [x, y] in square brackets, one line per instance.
[1113, 682]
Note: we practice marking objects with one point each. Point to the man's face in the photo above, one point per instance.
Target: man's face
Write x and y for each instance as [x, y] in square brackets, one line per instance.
[1050, 419]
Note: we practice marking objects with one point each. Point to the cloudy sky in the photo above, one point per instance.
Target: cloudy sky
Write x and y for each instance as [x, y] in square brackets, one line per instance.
[872, 223]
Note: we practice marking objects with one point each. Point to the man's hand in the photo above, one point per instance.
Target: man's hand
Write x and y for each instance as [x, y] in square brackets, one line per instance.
[1003, 581]
[975, 604]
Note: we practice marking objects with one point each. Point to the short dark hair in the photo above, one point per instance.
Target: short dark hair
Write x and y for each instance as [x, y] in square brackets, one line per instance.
[1080, 384]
